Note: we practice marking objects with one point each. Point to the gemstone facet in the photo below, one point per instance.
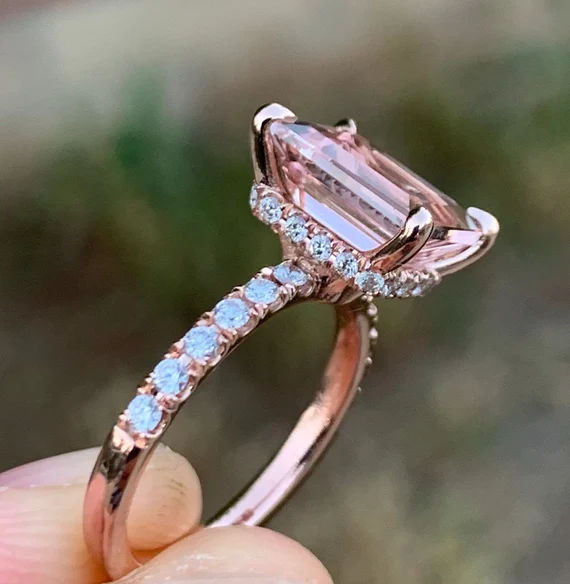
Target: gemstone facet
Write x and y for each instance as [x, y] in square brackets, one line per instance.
[270, 210]
[288, 274]
[144, 413]
[370, 282]
[253, 196]
[231, 313]
[261, 290]
[296, 228]
[346, 265]
[201, 342]
[321, 247]
[360, 195]
[170, 376]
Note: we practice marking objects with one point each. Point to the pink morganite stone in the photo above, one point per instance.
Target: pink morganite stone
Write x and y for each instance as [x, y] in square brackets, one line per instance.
[358, 193]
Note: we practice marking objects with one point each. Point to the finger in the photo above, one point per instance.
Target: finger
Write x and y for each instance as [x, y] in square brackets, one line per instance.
[41, 537]
[232, 555]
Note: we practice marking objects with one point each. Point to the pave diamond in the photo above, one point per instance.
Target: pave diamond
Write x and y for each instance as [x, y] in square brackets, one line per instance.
[270, 210]
[144, 413]
[260, 290]
[170, 376]
[296, 228]
[253, 196]
[346, 265]
[201, 342]
[370, 282]
[321, 247]
[288, 274]
[406, 284]
[231, 313]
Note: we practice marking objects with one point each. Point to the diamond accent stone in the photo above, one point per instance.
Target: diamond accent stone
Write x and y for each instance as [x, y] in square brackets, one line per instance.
[201, 342]
[144, 413]
[370, 282]
[403, 285]
[260, 290]
[409, 284]
[287, 273]
[321, 247]
[346, 265]
[296, 228]
[231, 313]
[270, 210]
[253, 196]
[417, 290]
[170, 376]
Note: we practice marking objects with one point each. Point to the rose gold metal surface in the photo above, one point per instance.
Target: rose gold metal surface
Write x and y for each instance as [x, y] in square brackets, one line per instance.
[347, 125]
[264, 115]
[488, 227]
[414, 235]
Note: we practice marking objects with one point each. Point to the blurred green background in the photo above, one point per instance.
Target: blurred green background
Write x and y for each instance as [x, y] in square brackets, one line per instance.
[125, 176]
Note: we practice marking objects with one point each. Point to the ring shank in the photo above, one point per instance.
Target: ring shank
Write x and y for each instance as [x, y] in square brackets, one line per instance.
[121, 462]
[314, 430]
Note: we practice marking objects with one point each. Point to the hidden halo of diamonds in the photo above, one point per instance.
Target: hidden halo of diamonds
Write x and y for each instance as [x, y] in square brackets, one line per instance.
[313, 241]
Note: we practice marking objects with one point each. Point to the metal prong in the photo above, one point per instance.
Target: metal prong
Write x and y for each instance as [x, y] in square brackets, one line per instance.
[408, 242]
[488, 226]
[264, 115]
[346, 125]
[485, 222]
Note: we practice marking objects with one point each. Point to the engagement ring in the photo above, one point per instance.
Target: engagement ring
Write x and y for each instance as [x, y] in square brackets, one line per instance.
[354, 224]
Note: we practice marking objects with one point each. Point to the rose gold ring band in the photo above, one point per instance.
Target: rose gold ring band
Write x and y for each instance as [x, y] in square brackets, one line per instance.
[138, 430]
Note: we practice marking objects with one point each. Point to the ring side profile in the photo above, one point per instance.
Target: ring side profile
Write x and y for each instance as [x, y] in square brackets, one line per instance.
[354, 224]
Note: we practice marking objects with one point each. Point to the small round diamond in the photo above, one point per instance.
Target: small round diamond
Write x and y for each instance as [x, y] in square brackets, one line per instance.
[253, 196]
[170, 376]
[296, 228]
[201, 342]
[231, 313]
[346, 264]
[370, 282]
[144, 413]
[417, 290]
[270, 210]
[403, 285]
[321, 247]
[289, 274]
[261, 290]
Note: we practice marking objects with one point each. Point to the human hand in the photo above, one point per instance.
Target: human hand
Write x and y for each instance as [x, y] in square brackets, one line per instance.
[41, 538]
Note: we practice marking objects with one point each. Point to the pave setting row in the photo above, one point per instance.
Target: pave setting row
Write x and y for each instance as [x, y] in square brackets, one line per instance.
[213, 336]
[311, 240]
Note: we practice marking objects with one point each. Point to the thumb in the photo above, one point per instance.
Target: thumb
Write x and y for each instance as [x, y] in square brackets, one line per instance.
[41, 537]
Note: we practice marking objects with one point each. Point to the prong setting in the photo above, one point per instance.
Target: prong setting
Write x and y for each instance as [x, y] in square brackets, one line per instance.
[298, 165]
[347, 125]
[264, 115]
[408, 242]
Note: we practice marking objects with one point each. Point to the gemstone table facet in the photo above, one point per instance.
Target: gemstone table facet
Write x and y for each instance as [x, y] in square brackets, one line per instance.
[359, 194]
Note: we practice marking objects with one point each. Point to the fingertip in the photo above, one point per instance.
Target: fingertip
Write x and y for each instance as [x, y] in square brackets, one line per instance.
[233, 555]
[167, 503]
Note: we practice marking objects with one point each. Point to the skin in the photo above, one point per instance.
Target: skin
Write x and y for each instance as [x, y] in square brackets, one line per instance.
[41, 539]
